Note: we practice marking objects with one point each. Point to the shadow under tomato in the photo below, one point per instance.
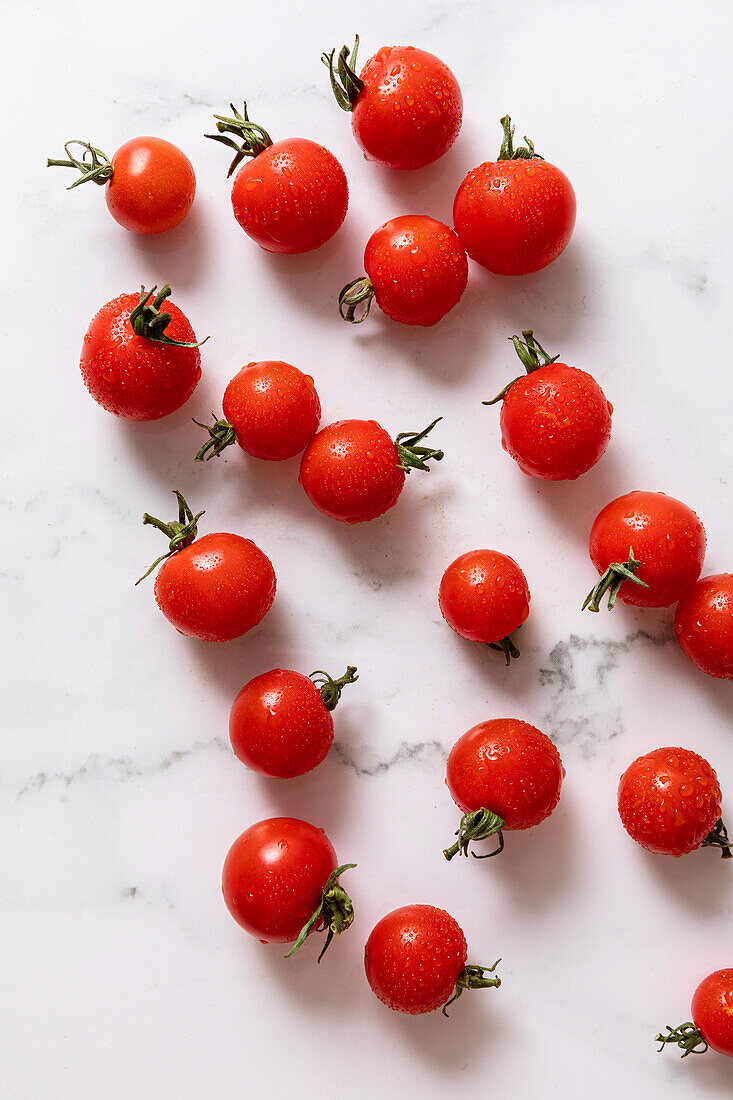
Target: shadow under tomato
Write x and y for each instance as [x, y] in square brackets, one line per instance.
[176, 257]
[700, 880]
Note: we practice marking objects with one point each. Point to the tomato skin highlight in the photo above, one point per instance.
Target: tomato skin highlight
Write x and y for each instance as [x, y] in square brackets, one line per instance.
[274, 875]
[515, 217]
[217, 588]
[484, 596]
[669, 800]
[131, 376]
[704, 625]
[665, 535]
[152, 186]
[712, 1010]
[292, 197]
[350, 471]
[274, 409]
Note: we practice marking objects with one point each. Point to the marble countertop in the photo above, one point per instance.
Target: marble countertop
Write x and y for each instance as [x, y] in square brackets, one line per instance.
[122, 973]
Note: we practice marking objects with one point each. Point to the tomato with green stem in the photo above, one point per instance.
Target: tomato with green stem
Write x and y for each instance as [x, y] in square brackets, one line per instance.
[711, 1025]
[703, 625]
[484, 597]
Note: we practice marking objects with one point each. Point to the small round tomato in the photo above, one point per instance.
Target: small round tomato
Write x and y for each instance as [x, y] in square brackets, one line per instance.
[415, 960]
[280, 723]
[270, 409]
[416, 270]
[216, 587]
[292, 196]
[149, 183]
[654, 542]
[704, 625]
[515, 215]
[353, 471]
[669, 802]
[137, 362]
[280, 883]
[712, 1018]
[484, 597]
[555, 421]
[503, 774]
[406, 105]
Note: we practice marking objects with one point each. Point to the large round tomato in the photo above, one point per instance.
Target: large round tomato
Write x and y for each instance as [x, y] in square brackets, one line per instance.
[704, 625]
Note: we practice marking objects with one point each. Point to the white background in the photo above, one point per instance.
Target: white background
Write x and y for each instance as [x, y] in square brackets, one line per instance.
[122, 973]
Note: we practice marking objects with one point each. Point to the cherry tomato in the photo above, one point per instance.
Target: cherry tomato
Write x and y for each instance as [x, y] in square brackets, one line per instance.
[280, 883]
[292, 196]
[415, 960]
[149, 183]
[352, 471]
[406, 105]
[712, 1018]
[270, 409]
[669, 802]
[416, 270]
[280, 723]
[137, 362]
[484, 597]
[704, 625]
[503, 774]
[555, 421]
[216, 587]
[648, 547]
[515, 215]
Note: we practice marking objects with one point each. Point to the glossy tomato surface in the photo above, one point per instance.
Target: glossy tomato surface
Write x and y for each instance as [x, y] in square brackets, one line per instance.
[351, 472]
[152, 186]
[274, 409]
[484, 596]
[704, 625]
[712, 1010]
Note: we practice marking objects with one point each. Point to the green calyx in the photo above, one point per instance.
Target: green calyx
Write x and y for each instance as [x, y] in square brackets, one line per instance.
[413, 457]
[473, 977]
[345, 82]
[333, 914]
[718, 838]
[611, 582]
[508, 152]
[532, 356]
[221, 436]
[474, 826]
[180, 532]
[687, 1037]
[147, 320]
[94, 165]
[251, 138]
[506, 646]
[356, 298]
[331, 689]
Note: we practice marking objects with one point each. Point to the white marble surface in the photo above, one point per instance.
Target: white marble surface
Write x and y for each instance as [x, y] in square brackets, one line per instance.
[122, 974]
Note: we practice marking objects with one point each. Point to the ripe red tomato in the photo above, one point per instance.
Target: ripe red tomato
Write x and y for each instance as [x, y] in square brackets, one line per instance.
[503, 774]
[712, 1018]
[406, 105]
[352, 471]
[484, 597]
[416, 270]
[280, 883]
[270, 409]
[654, 542]
[515, 215]
[704, 625]
[555, 421]
[216, 587]
[415, 960]
[669, 802]
[137, 362]
[292, 196]
[280, 723]
[149, 183]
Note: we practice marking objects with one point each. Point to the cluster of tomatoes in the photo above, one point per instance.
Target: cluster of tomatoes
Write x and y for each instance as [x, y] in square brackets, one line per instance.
[141, 361]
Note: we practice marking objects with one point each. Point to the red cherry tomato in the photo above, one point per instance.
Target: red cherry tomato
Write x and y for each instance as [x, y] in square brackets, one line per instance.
[150, 184]
[669, 802]
[515, 215]
[280, 723]
[270, 409]
[406, 105]
[415, 960]
[216, 587]
[136, 364]
[280, 883]
[503, 774]
[352, 471]
[648, 547]
[704, 625]
[416, 270]
[292, 196]
[556, 421]
[712, 1018]
[484, 597]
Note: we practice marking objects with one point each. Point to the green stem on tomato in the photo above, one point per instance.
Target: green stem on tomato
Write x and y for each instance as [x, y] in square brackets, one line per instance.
[180, 532]
[221, 436]
[611, 582]
[147, 320]
[687, 1037]
[358, 293]
[345, 82]
[718, 838]
[532, 356]
[331, 689]
[508, 152]
[475, 826]
[252, 139]
[412, 456]
[334, 912]
[473, 977]
[97, 168]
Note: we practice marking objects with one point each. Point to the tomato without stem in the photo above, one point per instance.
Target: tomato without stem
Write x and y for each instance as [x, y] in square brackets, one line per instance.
[712, 1018]
[484, 597]
[704, 625]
